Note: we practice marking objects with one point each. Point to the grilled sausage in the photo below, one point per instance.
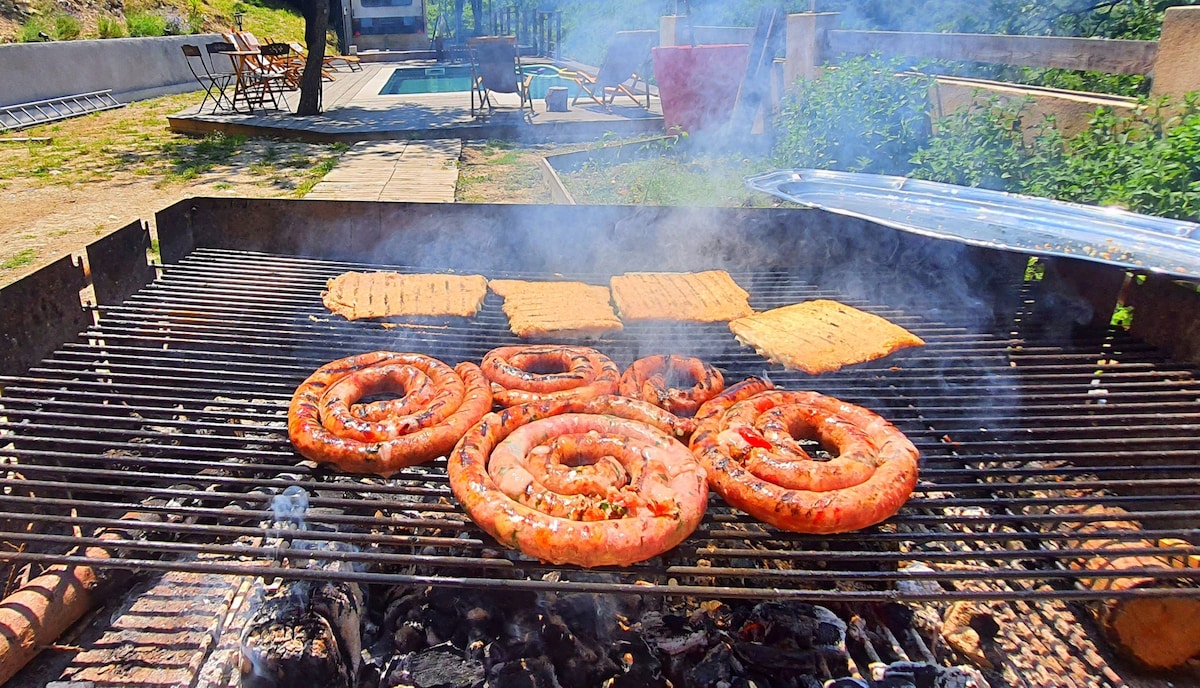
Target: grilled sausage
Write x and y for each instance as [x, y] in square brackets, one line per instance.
[661, 380]
[745, 438]
[435, 404]
[580, 481]
[524, 374]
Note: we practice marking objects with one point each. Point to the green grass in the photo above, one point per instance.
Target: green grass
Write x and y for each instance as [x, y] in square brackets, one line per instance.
[708, 180]
[263, 18]
[317, 172]
[135, 140]
[21, 259]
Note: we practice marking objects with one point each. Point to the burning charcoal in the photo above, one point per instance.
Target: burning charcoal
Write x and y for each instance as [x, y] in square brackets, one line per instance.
[286, 644]
[924, 675]
[970, 629]
[769, 658]
[639, 667]
[533, 672]
[671, 634]
[409, 637]
[715, 669]
[440, 666]
[794, 625]
[577, 661]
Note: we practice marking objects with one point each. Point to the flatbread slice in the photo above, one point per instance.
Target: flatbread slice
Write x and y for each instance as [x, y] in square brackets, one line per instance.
[821, 336]
[568, 310]
[709, 296]
[358, 295]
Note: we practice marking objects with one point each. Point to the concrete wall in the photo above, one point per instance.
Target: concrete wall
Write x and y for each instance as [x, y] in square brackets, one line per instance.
[133, 68]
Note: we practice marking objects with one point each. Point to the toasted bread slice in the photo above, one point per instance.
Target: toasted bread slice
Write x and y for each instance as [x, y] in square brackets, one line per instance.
[821, 336]
[568, 310]
[710, 296]
[357, 295]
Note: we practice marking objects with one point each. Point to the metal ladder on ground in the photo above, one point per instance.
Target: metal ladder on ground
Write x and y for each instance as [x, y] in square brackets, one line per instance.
[13, 117]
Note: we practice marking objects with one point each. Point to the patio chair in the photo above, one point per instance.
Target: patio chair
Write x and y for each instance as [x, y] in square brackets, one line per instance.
[258, 81]
[214, 82]
[279, 57]
[626, 60]
[331, 61]
[496, 68]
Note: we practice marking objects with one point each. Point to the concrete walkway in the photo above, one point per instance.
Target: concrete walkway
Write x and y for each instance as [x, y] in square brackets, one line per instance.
[418, 171]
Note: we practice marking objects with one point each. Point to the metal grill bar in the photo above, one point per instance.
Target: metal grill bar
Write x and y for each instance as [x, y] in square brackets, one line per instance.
[175, 402]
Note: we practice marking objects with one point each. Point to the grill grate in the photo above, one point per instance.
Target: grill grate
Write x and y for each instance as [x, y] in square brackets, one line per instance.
[173, 407]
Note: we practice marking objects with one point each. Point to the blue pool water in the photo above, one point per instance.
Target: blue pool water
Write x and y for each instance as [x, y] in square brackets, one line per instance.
[457, 78]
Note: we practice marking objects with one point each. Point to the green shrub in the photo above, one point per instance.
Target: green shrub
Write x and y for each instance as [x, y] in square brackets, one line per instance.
[146, 24]
[986, 145]
[31, 29]
[857, 117]
[67, 27]
[109, 27]
[195, 17]
[1148, 162]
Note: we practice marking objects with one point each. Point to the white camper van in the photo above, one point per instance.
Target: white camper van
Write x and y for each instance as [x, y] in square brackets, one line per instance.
[387, 24]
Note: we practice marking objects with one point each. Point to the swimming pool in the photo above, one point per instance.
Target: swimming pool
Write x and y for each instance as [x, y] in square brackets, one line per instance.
[457, 78]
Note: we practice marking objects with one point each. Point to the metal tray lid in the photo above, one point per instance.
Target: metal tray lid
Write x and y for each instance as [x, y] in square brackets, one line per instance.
[996, 219]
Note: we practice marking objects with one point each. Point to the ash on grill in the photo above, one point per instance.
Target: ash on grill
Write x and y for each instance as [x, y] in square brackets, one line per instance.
[431, 637]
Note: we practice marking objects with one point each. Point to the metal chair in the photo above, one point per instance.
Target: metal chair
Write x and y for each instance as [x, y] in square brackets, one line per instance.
[214, 83]
[496, 68]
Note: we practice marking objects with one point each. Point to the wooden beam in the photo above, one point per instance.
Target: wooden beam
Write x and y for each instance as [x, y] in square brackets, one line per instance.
[1090, 54]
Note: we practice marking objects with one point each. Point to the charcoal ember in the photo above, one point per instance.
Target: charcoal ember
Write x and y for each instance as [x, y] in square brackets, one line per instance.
[639, 667]
[409, 637]
[768, 657]
[440, 666]
[716, 669]
[970, 629]
[529, 672]
[672, 634]
[286, 644]
[925, 675]
[794, 625]
[578, 661]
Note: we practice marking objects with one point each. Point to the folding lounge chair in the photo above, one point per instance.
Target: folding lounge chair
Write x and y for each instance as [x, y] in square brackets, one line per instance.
[496, 68]
[214, 82]
[626, 60]
[331, 61]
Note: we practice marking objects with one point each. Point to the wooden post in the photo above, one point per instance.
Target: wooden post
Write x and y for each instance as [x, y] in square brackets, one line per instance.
[806, 45]
[1177, 66]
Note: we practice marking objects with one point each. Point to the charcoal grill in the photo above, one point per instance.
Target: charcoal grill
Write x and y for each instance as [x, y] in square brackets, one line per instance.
[170, 397]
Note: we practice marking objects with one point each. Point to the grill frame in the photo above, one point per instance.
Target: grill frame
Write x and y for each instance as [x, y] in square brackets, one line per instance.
[199, 227]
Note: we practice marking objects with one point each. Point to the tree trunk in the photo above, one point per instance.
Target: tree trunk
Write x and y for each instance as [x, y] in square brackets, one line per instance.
[316, 21]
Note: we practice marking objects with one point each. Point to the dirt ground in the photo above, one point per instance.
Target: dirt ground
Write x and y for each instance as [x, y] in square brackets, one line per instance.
[50, 221]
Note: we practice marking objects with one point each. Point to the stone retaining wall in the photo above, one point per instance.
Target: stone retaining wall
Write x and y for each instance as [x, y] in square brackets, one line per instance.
[132, 68]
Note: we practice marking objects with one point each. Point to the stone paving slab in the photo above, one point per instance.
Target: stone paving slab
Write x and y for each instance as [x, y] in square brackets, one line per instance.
[415, 171]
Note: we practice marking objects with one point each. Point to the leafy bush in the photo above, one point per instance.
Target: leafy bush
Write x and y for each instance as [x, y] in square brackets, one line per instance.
[195, 17]
[31, 30]
[987, 146]
[857, 117]
[109, 27]
[861, 118]
[1148, 162]
[146, 24]
[67, 27]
